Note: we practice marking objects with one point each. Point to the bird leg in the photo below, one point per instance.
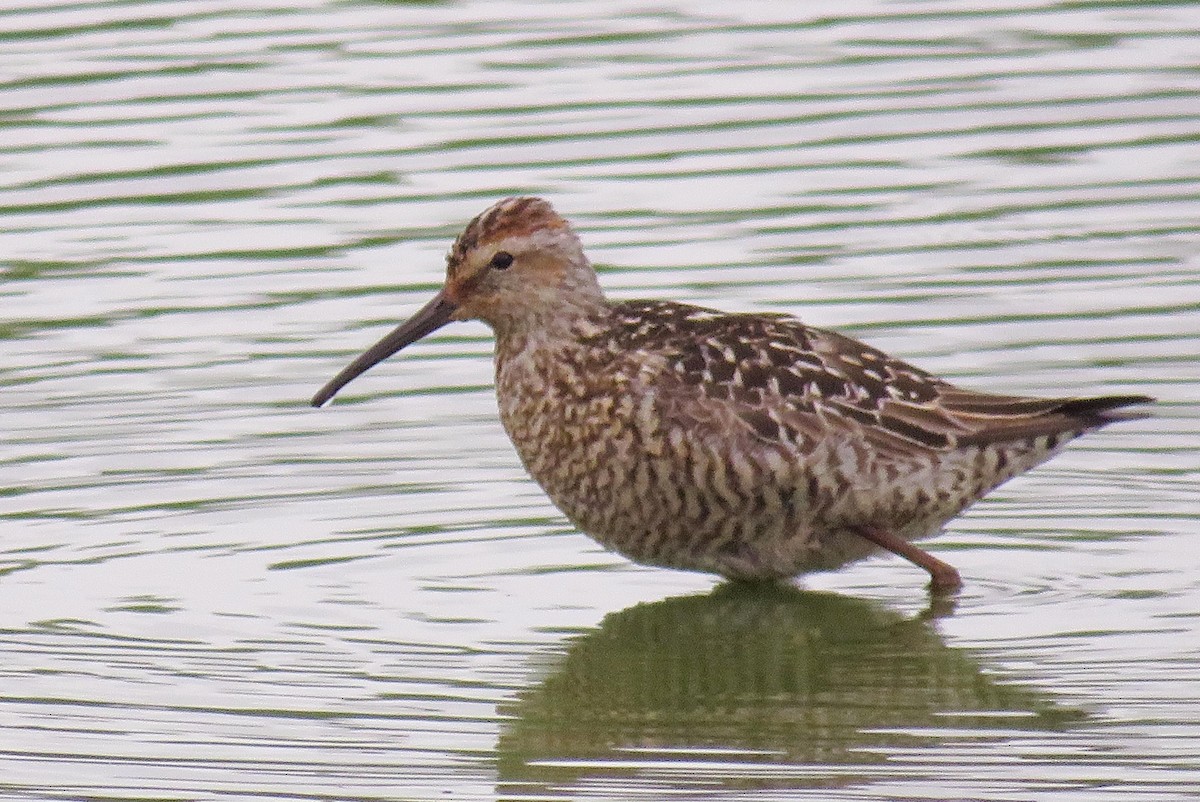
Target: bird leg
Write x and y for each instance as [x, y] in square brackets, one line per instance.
[944, 577]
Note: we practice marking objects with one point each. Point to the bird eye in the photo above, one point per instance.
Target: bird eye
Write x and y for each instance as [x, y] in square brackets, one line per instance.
[501, 260]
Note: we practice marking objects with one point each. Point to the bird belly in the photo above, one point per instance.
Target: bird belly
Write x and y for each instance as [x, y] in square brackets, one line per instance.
[702, 496]
[679, 497]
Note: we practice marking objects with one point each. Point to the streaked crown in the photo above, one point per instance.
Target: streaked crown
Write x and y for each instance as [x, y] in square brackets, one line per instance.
[519, 264]
[519, 216]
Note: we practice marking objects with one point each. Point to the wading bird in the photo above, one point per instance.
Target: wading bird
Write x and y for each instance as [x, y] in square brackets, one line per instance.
[747, 445]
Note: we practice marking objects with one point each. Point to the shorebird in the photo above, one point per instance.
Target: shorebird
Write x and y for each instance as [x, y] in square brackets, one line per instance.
[747, 445]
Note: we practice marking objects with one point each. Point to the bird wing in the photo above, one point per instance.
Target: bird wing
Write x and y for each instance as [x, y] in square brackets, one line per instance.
[785, 382]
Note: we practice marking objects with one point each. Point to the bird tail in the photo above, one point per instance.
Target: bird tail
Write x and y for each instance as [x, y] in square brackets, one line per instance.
[1106, 409]
[997, 419]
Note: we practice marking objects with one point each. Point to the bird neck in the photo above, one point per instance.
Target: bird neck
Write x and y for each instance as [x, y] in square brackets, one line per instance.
[557, 318]
[553, 309]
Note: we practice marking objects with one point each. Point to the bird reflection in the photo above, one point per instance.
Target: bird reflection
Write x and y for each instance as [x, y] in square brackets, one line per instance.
[770, 675]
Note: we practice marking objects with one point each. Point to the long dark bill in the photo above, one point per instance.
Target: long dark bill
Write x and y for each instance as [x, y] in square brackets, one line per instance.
[430, 318]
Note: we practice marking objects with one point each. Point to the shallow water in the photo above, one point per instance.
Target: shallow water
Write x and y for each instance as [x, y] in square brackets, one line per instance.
[209, 590]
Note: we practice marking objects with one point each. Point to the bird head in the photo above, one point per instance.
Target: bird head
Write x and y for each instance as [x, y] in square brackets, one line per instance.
[518, 265]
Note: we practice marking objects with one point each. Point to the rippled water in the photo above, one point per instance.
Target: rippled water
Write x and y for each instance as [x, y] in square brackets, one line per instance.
[209, 590]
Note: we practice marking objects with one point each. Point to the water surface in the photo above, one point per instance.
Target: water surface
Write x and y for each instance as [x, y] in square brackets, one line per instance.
[209, 590]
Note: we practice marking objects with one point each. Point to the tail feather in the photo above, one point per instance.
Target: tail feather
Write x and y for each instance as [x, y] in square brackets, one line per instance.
[1070, 416]
[1105, 409]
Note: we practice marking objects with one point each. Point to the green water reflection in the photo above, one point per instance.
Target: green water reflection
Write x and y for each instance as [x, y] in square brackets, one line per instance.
[765, 675]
